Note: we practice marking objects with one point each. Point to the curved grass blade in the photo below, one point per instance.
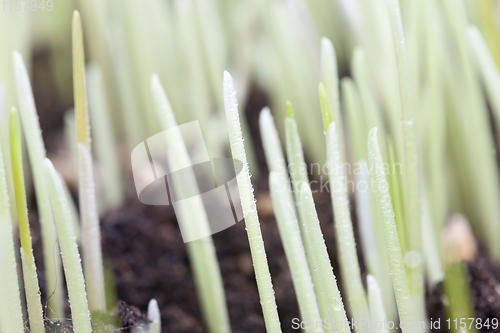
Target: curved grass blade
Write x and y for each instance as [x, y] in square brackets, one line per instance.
[69, 252]
[377, 309]
[262, 275]
[375, 259]
[31, 285]
[321, 263]
[201, 252]
[330, 77]
[36, 153]
[105, 144]
[346, 244]
[11, 317]
[272, 149]
[91, 233]
[295, 254]
[398, 272]
[298, 172]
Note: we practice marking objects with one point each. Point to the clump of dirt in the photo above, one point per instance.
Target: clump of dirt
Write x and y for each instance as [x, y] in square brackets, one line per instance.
[485, 288]
[131, 316]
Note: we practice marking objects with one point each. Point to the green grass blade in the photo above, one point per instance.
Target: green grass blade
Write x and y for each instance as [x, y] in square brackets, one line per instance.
[377, 309]
[69, 252]
[72, 208]
[11, 317]
[298, 172]
[91, 233]
[262, 275]
[395, 189]
[295, 154]
[104, 141]
[411, 188]
[272, 149]
[325, 106]
[330, 77]
[374, 253]
[133, 123]
[346, 245]
[295, 254]
[398, 272]
[322, 266]
[201, 252]
[4, 141]
[28, 260]
[355, 118]
[79, 84]
[410, 162]
[36, 153]
[488, 69]
[431, 252]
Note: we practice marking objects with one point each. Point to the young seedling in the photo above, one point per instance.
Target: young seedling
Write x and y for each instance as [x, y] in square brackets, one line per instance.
[295, 254]
[356, 121]
[294, 153]
[410, 165]
[330, 77]
[91, 234]
[360, 121]
[374, 259]
[36, 153]
[72, 208]
[75, 282]
[298, 172]
[112, 192]
[459, 246]
[201, 252]
[349, 264]
[411, 196]
[398, 272]
[377, 309]
[11, 317]
[154, 316]
[272, 149]
[28, 260]
[4, 141]
[262, 275]
[488, 70]
[322, 266]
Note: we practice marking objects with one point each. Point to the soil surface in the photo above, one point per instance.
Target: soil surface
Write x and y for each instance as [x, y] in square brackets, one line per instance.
[145, 248]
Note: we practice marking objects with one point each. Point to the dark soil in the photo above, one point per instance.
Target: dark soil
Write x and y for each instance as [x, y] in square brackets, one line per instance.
[145, 247]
